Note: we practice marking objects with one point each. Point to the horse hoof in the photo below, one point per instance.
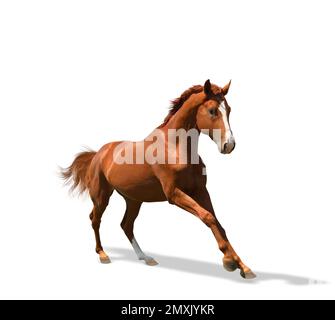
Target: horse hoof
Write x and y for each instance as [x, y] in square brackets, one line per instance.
[104, 259]
[229, 264]
[151, 262]
[247, 274]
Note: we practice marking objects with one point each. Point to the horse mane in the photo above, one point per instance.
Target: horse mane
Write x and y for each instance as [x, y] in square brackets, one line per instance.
[177, 103]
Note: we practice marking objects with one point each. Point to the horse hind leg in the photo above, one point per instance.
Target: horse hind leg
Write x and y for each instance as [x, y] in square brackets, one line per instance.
[127, 224]
[100, 204]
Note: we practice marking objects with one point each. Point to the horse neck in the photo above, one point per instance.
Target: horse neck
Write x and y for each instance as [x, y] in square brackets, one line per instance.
[186, 119]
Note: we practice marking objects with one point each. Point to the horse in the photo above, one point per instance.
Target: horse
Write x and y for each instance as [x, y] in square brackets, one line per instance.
[181, 182]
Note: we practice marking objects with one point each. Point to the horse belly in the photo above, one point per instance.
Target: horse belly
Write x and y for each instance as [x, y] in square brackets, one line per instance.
[136, 182]
[143, 193]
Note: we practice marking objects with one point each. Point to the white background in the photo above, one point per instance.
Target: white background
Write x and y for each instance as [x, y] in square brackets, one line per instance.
[83, 73]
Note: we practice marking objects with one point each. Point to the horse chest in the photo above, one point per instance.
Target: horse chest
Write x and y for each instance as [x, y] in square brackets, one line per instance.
[190, 177]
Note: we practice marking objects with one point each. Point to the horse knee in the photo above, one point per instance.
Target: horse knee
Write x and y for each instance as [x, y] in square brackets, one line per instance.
[208, 218]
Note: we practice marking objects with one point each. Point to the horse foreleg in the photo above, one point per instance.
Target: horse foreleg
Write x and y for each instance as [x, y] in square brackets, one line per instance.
[201, 206]
[127, 224]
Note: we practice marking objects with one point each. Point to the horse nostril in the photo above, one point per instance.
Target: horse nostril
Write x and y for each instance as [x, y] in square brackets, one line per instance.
[228, 147]
[225, 148]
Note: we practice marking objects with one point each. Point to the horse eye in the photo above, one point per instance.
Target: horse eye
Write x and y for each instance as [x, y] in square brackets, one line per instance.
[213, 112]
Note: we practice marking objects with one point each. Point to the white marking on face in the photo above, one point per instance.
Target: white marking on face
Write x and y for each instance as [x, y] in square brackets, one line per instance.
[228, 133]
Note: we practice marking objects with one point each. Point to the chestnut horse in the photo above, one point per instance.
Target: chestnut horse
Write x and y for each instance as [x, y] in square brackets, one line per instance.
[183, 183]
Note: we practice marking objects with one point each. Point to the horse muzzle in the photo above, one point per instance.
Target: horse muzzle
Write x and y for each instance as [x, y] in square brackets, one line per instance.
[228, 146]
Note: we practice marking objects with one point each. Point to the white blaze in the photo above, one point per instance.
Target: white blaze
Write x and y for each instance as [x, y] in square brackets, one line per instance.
[228, 133]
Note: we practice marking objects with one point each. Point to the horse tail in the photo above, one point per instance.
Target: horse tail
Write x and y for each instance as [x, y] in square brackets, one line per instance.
[76, 174]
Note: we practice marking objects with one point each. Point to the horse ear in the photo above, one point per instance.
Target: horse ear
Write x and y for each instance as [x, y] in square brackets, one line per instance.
[208, 88]
[225, 89]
